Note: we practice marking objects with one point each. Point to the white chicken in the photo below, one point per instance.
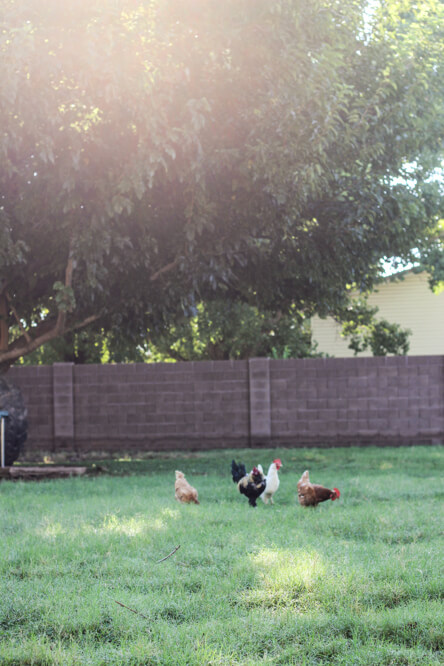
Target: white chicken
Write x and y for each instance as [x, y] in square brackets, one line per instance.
[272, 480]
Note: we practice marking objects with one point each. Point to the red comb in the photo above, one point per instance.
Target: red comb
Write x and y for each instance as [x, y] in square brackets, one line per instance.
[338, 494]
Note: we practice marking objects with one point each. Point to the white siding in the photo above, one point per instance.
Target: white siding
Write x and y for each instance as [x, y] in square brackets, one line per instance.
[410, 303]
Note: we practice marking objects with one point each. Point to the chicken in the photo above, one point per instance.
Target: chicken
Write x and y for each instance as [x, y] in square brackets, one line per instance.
[237, 471]
[184, 492]
[251, 485]
[272, 480]
[310, 494]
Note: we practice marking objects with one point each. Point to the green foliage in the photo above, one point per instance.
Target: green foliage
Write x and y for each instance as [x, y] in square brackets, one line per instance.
[355, 581]
[64, 297]
[432, 259]
[85, 347]
[382, 338]
[172, 153]
[79, 348]
[221, 330]
[367, 332]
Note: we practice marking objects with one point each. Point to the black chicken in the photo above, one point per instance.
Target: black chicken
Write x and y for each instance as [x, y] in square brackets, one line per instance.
[251, 485]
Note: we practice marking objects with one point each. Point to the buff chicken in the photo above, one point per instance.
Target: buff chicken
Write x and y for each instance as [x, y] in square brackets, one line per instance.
[183, 491]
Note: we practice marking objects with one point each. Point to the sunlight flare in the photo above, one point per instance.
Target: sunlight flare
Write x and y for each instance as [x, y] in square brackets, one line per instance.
[285, 568]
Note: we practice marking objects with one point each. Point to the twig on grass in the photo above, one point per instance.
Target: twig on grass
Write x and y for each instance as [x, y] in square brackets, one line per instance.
[167, 556]
[132, 610]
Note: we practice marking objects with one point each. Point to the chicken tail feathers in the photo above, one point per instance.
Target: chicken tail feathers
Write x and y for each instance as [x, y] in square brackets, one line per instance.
[237, 471]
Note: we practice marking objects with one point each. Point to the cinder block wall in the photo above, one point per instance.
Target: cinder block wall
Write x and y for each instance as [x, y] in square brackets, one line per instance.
[381, 400]
[159, 406]
[36, 384]
[200, 405]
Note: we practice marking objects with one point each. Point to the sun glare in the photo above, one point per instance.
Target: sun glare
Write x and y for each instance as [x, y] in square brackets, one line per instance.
[300, 567]
[136, 524]
[286, 579]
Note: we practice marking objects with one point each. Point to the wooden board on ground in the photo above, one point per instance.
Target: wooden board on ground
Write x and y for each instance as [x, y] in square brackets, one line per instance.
[42, 472]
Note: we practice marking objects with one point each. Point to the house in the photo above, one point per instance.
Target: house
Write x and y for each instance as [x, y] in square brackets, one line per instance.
[408, 302]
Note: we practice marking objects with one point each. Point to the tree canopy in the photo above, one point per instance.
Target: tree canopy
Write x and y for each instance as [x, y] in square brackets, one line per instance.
[158, 154]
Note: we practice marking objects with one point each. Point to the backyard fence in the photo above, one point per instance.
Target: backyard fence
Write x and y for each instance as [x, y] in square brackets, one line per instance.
[227, 404]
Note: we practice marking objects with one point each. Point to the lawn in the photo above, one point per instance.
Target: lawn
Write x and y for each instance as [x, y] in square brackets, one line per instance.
[356, 581]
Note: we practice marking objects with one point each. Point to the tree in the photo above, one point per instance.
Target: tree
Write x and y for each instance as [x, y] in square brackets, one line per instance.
[432, 259]
[77, 347]
[365, 331]
[218, 330]
[159, 154]
[221, 330]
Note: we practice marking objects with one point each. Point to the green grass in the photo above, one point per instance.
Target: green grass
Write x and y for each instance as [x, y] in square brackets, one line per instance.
[356, 581]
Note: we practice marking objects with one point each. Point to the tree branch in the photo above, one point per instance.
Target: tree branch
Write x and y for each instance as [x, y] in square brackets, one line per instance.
[61, 317]
[167, 556]
[46, 330]
[165, 269]
[17, 318]
[4, 330]
[17, 350]
[132, 610]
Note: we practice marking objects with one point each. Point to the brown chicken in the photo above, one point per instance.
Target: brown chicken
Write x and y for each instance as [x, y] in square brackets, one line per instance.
[310, 494]
[184, 492]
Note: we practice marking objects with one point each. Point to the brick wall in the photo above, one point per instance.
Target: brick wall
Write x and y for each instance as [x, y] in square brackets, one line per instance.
[355, 401]
[36, 384]
[161, 405]
[295, 402]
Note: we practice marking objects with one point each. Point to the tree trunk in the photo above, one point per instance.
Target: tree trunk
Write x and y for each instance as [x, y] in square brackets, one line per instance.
[4, 329]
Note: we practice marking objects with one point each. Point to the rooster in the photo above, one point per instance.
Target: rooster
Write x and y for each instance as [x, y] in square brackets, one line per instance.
[310, 494]
[184, 492]
[272, 480]
[251, 485]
